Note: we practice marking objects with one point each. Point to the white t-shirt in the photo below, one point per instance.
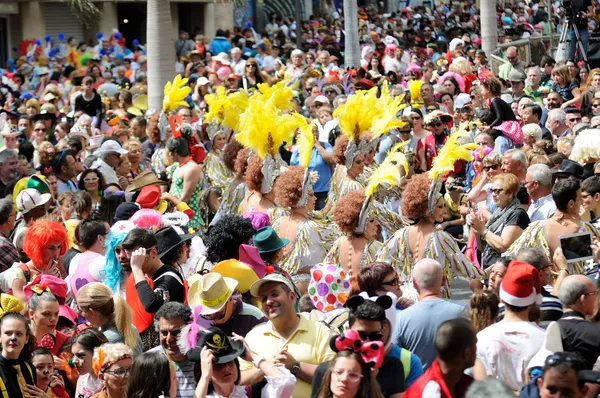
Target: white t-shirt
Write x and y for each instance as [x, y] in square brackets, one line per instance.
[506, 348]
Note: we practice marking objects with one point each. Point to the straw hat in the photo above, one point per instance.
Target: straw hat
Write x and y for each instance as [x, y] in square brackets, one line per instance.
[211, 291]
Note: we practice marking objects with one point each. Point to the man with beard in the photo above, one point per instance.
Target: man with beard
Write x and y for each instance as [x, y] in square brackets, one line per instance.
[170, 319]
[553, 101]
[9, 166]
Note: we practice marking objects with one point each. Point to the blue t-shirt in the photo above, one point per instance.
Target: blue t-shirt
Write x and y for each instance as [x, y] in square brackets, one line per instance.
[565, 92]
[318, 165]
[416, 326]
[416, 367]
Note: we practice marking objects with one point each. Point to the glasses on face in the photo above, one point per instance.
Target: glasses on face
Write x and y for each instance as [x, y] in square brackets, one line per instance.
[574, 120]
[118, 372]
[404, 131]
[511, 57]
[43, 130]
[373, 336]
[491, 167]
[352, 376]
[393, 282]
[496, 191]
[416, 117]
[436, 124]
[251, 66]
[91, 179]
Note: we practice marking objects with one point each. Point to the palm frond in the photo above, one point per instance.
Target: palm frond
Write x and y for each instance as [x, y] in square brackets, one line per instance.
[85, 10]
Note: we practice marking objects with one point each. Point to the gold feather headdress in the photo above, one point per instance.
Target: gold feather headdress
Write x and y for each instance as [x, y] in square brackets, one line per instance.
[264, 129]
[445, 161]
[364, 114]
[175, 94]
[386, 176]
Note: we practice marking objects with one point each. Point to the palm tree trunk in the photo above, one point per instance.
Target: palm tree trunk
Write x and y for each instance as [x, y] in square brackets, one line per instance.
[161, 53]
[352, 46]
[489, 31]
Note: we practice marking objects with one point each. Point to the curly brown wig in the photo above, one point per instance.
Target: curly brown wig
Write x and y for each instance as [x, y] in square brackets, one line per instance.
[347, 210]
[414, 197]
[288, 187]
[241, 162]
[341, 143]
[253, 175]
[230, 154]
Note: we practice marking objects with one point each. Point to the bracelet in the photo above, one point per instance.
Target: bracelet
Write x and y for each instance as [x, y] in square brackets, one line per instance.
[565, 270]
[257, 360]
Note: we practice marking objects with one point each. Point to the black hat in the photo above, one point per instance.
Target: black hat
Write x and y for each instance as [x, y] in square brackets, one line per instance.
[125, 211]
[569, 168]
[168, 239]
[224, 349]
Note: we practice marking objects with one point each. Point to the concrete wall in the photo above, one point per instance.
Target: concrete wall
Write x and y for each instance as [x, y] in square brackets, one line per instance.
[32, 17]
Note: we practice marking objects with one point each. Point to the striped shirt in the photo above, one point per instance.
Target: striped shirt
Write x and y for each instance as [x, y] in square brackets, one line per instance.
[184, 371]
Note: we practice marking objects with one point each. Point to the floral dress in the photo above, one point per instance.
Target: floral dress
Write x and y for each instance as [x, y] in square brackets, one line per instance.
[311, 244]
[440, 247]
[535, 237]
[177, 190]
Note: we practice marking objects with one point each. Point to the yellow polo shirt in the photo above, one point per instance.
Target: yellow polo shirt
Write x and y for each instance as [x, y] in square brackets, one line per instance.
[308, 344]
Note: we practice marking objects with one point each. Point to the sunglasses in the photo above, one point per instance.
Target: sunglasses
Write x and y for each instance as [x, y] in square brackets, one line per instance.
[557, 359]
[465, 109]
[374, 336]
[576, 119]
[491, 167]
[436, 124]
[497, 191]
[404, 131]
[415, 117]
[393, 282]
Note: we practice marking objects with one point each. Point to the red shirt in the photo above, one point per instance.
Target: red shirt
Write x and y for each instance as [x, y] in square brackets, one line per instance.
[433, 379]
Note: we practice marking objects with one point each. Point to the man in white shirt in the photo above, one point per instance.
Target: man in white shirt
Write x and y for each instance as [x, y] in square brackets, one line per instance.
[237, 63]
[538, 182]
[108, 160]
[505, 348]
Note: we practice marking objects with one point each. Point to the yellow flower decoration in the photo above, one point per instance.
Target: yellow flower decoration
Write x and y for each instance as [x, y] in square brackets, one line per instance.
[9, 304]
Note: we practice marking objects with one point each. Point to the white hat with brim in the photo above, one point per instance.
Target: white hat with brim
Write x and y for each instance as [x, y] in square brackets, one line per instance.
[77, 131]
[28, 199]
[111, 146]
[274, 277]
[222, 58]
[211, 291]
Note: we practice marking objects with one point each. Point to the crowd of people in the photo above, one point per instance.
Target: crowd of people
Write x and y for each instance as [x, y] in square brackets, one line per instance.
[290, 226]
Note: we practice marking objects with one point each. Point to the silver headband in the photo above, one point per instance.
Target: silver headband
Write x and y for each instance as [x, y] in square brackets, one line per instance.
[272, 168]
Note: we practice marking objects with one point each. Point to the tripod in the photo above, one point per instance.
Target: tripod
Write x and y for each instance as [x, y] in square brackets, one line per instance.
[562, 51]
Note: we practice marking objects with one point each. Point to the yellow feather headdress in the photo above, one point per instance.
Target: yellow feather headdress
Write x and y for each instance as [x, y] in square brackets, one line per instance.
[226, 108]
[175, 94]
[445, 161]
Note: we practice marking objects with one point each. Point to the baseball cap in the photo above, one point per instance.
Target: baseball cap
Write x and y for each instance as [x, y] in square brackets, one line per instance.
[274, 277]
[111, 146]
[28, 199]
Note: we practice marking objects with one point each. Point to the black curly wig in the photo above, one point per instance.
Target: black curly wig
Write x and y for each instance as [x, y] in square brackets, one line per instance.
[225, 237]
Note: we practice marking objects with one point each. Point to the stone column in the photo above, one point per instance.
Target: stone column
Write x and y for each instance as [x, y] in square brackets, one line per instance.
[33, 24]
[223, 13]
[210, 16]
[110, 18]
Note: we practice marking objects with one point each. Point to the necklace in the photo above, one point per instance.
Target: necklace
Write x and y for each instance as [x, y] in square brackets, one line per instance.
[185, 161]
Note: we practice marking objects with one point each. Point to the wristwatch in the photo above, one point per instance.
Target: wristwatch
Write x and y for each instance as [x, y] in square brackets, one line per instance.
[296, 369]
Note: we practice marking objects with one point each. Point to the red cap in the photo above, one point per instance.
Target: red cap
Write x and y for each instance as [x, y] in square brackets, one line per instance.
[148, 197]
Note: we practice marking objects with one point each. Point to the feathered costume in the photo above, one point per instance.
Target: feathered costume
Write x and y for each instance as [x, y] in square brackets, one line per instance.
[264, 128]
[364, 119]
[440, 245]
[314, 235]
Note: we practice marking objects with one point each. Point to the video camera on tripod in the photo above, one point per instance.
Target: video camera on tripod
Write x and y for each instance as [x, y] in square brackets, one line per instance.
[571, 15]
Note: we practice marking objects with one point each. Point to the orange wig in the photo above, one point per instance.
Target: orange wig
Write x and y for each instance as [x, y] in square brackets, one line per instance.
[39, 236]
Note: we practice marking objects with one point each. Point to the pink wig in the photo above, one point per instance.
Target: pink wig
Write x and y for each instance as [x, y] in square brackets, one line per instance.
[258, 219]
[390, 48]
[459, 79]
[412, 68]
[147, 218]
[480, 154]
[39, 236]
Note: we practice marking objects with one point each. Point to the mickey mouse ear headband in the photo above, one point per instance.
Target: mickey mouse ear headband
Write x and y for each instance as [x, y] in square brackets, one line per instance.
[354, 302]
